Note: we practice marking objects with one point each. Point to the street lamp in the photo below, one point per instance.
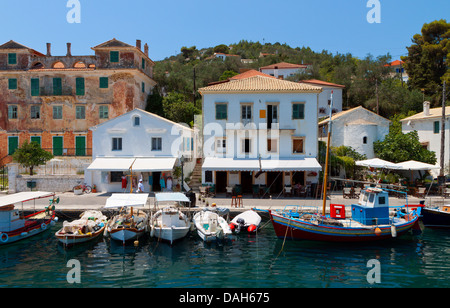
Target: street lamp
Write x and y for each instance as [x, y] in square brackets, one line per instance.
[182, 173]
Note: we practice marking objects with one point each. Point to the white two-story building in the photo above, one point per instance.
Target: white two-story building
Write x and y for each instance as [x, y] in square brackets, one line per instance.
[139, 145]
[260, 124]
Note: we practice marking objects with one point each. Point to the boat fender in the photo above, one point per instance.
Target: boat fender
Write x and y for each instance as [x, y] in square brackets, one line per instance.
[393, 231]
[251, 228]
[4, 237]
[43, 226]
[377, 231]
[231, 225]
[56, 219]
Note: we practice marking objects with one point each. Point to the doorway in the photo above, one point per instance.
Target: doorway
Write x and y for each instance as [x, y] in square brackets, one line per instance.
[156, 177]
[221, 181]
[246, 182]
[275, 182]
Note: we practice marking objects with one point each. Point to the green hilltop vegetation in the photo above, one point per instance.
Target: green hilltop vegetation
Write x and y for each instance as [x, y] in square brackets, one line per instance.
[366, 80]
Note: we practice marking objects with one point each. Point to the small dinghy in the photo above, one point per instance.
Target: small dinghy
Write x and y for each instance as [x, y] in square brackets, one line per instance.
[248, 220]
[212, 227]
[88, 227]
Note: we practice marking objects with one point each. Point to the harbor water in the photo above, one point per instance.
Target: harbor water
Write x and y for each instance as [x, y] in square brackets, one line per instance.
[250, 261]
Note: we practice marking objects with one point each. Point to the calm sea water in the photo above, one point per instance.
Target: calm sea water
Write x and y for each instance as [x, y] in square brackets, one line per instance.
[260, 261]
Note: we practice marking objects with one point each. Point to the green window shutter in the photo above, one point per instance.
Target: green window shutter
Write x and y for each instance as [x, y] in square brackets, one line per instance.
[12, 83]
[58, 145]
[34, 86]
[36, 139]
[103, 112]
[12, 58]
[143, 63]
[104, 82]
[114, 56]
[80, 146]
[13, 144]
[298, 111]
[143, 87]
[79, 86]
[12, 112]
[57, 112]
[57, 86]
[80, 112]
[436, 127]
[221, 112]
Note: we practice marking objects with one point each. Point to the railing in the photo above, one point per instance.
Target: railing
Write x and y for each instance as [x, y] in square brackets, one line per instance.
[70, 151]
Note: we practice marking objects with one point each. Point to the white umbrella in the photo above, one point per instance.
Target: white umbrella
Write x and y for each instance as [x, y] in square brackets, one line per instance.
[377, 163]
[416, 165]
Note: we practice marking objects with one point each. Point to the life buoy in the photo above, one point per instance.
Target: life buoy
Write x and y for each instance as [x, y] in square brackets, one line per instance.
[43, 226]
[4, 237]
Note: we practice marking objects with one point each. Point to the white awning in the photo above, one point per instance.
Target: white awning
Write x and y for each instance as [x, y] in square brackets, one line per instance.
[140, 164]
[121, 200]
[230, 164]
[23, 197]
[168, 197]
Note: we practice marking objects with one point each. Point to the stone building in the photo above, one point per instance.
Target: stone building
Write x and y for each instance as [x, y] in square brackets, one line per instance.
[54, 100]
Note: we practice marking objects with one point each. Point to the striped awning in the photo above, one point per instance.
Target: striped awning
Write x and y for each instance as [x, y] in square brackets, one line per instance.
[233, 164]
[139, 164]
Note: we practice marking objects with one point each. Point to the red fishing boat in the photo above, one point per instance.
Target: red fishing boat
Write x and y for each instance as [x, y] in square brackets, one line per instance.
[14, 226]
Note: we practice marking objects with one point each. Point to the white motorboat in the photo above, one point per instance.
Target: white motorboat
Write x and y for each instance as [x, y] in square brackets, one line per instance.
[248, 220]
[212, 227]
[169, 224]
[130, 223]
[88, 227]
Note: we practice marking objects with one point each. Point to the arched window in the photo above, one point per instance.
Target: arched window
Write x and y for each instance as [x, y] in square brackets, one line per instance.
[79, 64]
[58, 64]
[365, 140]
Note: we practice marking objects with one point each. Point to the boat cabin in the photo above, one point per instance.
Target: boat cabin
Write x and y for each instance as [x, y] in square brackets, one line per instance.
[372, 208]
[10, 219]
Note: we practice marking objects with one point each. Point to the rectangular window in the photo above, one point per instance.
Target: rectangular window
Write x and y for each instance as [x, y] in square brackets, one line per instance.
[117, 144]
[114, 56]
[57, 112]
[13, 144]
[12, 58]
[57, 86]
[143, 63]
[298, 146]
[12, 84]
[80, 112]
[36, 139]
[272, 145]
[34, 86]
[246, 113]
[221, 111]
[298, 111]
[436, 127]
[12, 112]
[143, 87]
[221, 145]
[156, 144]
[79, 86]
[35, 112]
[247, 145]
[103, 112]
[104, 82]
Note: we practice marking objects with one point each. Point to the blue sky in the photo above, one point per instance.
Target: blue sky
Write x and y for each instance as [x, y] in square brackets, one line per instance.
[333, 25]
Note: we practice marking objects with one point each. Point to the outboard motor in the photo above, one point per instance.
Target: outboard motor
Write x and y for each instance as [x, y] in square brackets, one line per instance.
[240, 224]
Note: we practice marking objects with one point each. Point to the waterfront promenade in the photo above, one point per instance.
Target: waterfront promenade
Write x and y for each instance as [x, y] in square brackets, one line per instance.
[70, 202]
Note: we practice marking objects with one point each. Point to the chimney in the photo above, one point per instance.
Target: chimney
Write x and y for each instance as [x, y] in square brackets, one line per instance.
[146, 49]
[138, 44]
[426, 108]
[49, 49]
[69, 53]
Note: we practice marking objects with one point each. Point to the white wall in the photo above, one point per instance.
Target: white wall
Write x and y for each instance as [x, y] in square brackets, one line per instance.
[285, 72]
[325, 96]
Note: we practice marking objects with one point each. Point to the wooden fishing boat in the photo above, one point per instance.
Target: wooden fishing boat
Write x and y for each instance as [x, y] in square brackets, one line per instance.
[370, 219]
[248, 220]
[169, 223]
[211, 227]
[14, 226]
[88, 227]
[436, 217]
[129, 223]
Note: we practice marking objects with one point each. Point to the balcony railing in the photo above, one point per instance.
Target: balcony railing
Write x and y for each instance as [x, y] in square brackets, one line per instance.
[71, 152]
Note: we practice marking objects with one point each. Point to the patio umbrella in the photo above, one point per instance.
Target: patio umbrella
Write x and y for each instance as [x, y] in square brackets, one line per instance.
[377, 163]
[416, 165]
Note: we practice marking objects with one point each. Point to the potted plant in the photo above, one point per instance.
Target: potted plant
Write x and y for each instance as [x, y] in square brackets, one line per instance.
[94, 188]
[78, 190]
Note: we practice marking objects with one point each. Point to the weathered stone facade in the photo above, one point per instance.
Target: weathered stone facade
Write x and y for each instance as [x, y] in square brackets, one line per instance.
[54, 100]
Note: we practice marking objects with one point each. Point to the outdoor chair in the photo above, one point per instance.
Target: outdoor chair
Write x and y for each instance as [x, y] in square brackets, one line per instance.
[347, 192]
[229, 191]
[356, 192]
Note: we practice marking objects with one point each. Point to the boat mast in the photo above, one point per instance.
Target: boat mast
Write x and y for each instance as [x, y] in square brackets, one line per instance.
[325, 177]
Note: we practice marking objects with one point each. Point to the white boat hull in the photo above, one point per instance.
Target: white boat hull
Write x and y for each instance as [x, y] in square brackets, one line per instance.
[124, 235]
[69, 240]
[170, 234]
[211, 227]
[169, 224]
[248, 220]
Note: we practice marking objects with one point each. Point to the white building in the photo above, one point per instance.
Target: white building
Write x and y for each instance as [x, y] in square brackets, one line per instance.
[324, 97]
[142, 145]
[260, 124]
[283, 70]
[358, 128]
[428, 127]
